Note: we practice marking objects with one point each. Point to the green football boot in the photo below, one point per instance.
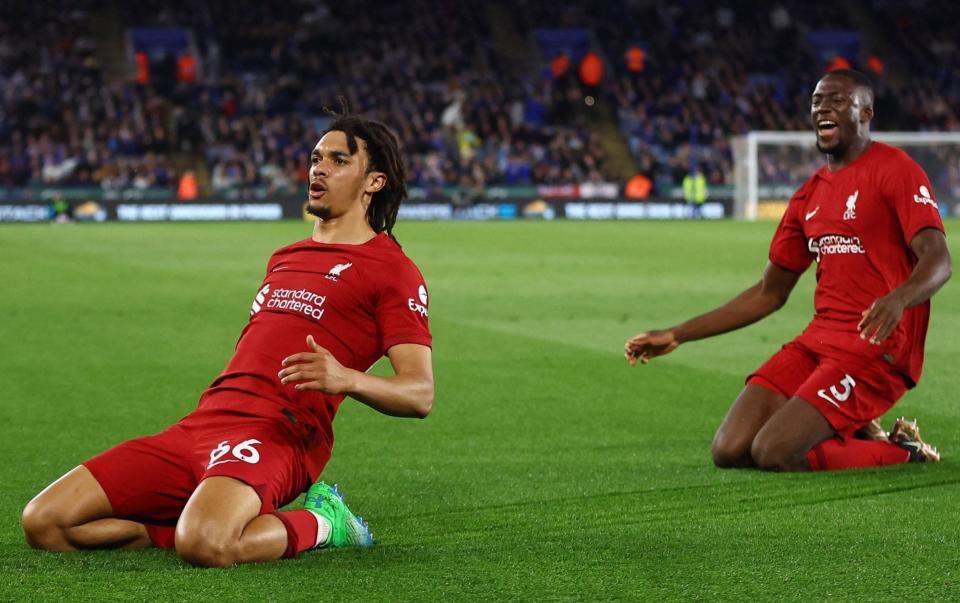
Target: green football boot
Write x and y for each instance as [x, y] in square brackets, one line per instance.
[346, 528]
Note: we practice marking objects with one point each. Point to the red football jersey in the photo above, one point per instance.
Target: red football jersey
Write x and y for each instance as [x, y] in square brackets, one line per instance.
[356, 300]
[857, 223]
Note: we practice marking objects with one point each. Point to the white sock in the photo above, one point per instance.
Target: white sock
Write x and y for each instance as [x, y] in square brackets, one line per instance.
[324, 529]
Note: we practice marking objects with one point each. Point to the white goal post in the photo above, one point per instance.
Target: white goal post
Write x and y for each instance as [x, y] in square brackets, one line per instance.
[750, 189]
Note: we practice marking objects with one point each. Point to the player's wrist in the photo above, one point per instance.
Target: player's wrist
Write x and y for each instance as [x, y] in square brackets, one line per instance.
[351, 383]
[901, 297]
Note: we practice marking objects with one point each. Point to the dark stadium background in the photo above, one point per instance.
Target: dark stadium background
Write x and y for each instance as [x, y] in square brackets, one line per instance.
[180, 104]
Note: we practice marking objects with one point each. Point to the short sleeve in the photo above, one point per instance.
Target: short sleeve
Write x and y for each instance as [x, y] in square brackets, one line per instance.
[909, 190]
[789, 248]
[402, 310]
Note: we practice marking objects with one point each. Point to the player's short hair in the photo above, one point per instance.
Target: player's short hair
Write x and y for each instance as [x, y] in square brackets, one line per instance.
[383, 155]
[860, 79]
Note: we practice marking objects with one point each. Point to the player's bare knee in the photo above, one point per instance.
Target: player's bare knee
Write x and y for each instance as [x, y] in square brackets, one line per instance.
[205, 548]
[773, 456]
[726, 456]
[764, 456]
[731, 448]
[41, 527]
[205, 554]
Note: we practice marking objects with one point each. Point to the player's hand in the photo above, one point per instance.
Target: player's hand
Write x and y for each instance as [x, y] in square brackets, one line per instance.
[649, 344]
[881, 318]
[315, 370]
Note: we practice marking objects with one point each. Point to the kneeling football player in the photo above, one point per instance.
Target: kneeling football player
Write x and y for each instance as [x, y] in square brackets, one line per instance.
[329, 307]
[869, 221]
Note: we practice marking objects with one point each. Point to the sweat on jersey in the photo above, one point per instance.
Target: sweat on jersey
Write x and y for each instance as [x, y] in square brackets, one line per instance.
[357, 301]
[857, 223]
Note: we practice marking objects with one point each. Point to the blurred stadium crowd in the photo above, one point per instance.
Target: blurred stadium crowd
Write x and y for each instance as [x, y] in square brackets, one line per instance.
[480, 94]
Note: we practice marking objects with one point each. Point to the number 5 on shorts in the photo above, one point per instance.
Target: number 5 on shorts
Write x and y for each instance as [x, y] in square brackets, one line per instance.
[847, 383]
[244, 451]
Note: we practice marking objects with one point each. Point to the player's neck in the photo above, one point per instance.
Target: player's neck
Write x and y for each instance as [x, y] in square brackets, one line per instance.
[857, 148]
[343, 230]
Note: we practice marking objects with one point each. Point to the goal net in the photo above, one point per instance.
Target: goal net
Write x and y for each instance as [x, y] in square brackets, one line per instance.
[769, 166]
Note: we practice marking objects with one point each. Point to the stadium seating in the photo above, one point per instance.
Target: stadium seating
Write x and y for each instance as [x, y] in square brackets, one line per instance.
[437, 73]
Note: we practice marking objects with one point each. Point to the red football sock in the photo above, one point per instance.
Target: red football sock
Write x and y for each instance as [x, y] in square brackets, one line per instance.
[301, 531]
[837, 453]
[161, 536]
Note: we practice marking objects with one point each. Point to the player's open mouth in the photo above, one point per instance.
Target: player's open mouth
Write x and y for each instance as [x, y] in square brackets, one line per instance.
[317, 190]
[826, 128]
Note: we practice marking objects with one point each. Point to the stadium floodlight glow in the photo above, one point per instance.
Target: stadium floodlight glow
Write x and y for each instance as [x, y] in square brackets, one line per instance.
[756, 179]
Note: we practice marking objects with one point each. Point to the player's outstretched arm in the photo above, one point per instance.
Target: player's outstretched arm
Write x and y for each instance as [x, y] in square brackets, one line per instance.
[758, 301]
[932, 270]
[408, 393]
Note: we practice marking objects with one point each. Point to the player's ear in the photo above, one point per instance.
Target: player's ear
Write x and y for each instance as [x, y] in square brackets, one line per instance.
[865, 99]
[376, 181]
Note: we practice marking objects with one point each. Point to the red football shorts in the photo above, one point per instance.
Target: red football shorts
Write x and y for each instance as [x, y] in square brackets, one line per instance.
[850, 386]
[150, 479]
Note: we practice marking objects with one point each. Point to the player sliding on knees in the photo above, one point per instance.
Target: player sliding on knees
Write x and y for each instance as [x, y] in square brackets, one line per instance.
[329, 307]
[869, 221]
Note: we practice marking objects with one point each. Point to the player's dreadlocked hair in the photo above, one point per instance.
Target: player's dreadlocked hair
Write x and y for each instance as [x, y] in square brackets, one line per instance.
[383, 155]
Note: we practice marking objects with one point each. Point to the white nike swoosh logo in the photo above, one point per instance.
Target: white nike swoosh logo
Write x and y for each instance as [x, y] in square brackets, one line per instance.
[811, 214]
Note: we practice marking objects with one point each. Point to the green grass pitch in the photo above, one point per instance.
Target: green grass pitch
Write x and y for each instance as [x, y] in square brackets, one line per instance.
[548, 470]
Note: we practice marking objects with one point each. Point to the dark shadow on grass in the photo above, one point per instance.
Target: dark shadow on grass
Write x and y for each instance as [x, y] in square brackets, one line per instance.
[767, 497]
